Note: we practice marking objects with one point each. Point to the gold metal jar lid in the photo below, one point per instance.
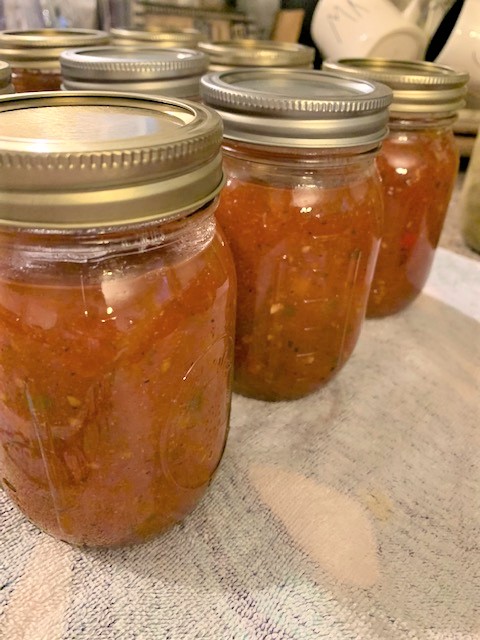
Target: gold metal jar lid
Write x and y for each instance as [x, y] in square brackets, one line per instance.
[183, 38]
[95, 159]
[298, 108]
[419, 88]
[257, 53]
[41, 48]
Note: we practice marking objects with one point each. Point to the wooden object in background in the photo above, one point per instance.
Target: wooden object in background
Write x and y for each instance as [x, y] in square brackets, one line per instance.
[287, 25]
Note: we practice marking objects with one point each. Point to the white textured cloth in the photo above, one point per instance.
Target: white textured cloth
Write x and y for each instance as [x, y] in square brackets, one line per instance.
[351, 514]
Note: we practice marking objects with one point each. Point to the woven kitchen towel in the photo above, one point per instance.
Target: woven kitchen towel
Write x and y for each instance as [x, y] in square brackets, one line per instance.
[353, 513]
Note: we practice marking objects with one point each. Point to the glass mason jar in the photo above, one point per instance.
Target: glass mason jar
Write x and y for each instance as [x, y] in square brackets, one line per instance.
[171, 39]
[149, 70]
[418, 166]
[248, 52]
[302, 212]
[34, 55]
[117, 306]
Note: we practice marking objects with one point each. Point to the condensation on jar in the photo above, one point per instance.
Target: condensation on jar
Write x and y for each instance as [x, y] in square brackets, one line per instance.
[418, 165]
[302, 212]
[33, 55]
[117, 309]
[139, 69]
[165, 39]
[247, 52]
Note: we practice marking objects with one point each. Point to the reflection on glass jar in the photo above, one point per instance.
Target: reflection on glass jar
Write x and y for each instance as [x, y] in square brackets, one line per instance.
[302, 214]
[116, 341]
[418, 165]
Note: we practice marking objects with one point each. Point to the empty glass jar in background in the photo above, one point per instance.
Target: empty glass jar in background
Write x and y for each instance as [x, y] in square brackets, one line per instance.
[244, 53]
[34, 55]
[302, 212]
[153, 71]
[117, 306]
[171, 39]
[418, 165]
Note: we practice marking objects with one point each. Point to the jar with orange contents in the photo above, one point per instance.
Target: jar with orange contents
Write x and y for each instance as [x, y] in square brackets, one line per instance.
[302, 213]
[34, 55]
[418, 165]
[117, 307]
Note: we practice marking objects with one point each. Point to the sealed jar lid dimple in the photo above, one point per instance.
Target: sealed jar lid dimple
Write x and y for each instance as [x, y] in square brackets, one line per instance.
[182, 38]
[418, 87]
[175, 72]
[298, 108]
[41, 48]
[257, 53]
[96, 159]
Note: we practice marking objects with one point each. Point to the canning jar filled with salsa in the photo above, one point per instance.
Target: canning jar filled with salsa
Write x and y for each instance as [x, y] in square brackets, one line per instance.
[117, 308]
[418, 165]
[302, 211]
[34, 54]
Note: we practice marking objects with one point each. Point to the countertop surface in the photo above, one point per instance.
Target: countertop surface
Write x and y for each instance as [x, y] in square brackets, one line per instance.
[350, 514]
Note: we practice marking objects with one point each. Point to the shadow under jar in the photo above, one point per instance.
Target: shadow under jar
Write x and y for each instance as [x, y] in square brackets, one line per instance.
[302, 211]
[34, 55]
[418, 166]
[117, 308]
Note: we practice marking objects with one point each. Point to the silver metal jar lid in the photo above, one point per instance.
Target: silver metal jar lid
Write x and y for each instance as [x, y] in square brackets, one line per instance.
[104, 159]
[153, 71]
[298, 108]
[183, 38]
[131, 63]
[257, 53]
[41, 48]
[418, 87]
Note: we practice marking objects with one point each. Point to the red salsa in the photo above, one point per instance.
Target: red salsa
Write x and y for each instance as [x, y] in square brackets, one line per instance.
[418, 168]
[305, 254]
[114, 384]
